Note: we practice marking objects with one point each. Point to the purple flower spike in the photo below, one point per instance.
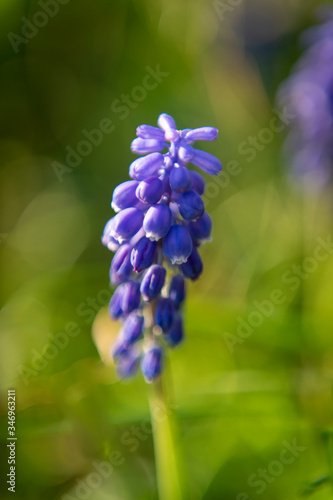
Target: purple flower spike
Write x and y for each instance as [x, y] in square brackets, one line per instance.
[157, 222]
[166, 122]
[177, 290]
[143, 254]
[176, 334]
[124, 196]
[130, 296]
[150, 132]
[121, 266]
[150, 190]
[164, 314]
[146, 166]
[201, 134]
[151, 364]
[200, 229]
[198, 182]
[190, 205]
[126, 224]
[152, 282]
[180, 179]
[159, 227]
[207, 162]
[132, 328]
[143, 146]
[177, 245]
[193, 267]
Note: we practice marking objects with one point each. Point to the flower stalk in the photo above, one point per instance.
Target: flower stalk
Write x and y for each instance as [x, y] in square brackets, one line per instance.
[166, 453]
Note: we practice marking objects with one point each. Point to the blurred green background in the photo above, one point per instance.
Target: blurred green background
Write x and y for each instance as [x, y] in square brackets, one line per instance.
[239, 401]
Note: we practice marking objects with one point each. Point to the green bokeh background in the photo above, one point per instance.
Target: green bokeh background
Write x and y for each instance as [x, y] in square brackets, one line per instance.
[235, 407]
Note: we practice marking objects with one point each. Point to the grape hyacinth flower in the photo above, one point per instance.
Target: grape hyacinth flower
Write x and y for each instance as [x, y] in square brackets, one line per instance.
[156, 233]
[308, 96]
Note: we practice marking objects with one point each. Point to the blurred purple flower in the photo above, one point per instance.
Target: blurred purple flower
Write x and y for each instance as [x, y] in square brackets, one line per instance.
[308, 95]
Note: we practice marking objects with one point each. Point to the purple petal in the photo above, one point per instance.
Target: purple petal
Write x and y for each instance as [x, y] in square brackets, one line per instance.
[177, 290]
[168, 162]
[118, 348]
[198, 182]
[146, 166]
[126, 224]
[177, 244]
[201, 134]
[200, 229]
[180, 179]
[152, 282]
[143, 254]
[150, 190]
[193, 267]
[157, 222]
[183, 134]
[190, 205]
[130, 296]
[108, 240]
[128, 363]
[121, 266]
[171, 135]
[164, 313]
[206, 162]
[151, 364]
[176, 333]
[124, 195]
[166, 122]
[132, 328]
[143, 146]
[115, 309]
[150, 132]
[185, 153]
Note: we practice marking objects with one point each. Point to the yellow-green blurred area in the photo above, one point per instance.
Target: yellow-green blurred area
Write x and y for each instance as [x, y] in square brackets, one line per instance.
[251, 386]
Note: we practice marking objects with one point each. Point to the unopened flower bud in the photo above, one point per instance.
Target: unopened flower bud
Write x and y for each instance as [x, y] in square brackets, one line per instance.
[151, 364]
[177, 244]
[152, 282]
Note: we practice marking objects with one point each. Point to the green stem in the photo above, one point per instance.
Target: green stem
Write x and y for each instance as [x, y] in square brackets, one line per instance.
[166, 459]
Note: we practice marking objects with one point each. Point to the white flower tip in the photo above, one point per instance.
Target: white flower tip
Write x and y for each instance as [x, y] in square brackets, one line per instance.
[152, 236]
[117, 237]
[179, 260]
[115, 207]
[113, 247]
